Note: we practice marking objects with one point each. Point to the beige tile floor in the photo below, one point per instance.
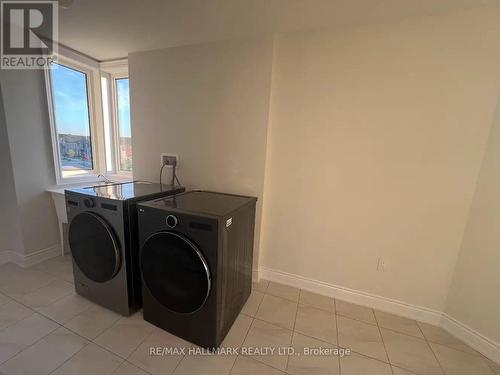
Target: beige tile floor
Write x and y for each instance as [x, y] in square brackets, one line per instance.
[45, 328]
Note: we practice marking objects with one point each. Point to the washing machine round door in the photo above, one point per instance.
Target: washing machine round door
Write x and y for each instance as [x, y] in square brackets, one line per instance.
[94, 247]
[175, 272]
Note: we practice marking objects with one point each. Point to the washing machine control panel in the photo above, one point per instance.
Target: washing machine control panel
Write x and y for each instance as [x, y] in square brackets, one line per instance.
[88, 202]
[172, 221]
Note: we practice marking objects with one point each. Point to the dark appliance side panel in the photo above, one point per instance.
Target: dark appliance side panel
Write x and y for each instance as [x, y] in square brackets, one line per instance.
[235, 265]
[131, 256]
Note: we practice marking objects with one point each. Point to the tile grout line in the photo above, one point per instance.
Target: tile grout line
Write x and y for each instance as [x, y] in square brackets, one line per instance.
[315, 306]
[35, 309]
[60, 298]
[493, 371]
[264, 364]
[404, 333]
[253, 321]
[490, 365]
[449, 346]
[68, 359]
[276, 295]
[244, 339]
[477, 354]
[345, 316]
[95, 343]
[35, 290]
[323, 341]
[41, 338]
[7, 297]
[303, 334]
[393, 330]
[63, 324]
[178, 364]
[89, 341]
[40, 287]
[135, 366]
[368, 357]
[293, 331]
[432, 350]
[383, 341]
[260, 303]
[59, 326]
[281, 297]
[375, 325]
[408, 371]
[356, 319]
[135, 348]
[29, 346]
[117, 367]
[250, 326]
[14, 323]
[337, 331]
[267, 287]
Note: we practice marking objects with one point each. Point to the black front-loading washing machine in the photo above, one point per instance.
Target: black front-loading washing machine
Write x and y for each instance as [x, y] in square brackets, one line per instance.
[196, 262]
[104, 244]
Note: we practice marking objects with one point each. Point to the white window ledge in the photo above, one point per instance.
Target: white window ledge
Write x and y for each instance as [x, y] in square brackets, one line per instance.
[59, 189]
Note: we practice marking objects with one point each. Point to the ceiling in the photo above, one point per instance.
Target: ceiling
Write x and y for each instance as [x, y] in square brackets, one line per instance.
[110, 29]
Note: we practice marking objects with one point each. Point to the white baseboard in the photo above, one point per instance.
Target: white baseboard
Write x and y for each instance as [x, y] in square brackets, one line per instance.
[35, 257]
[255, 274]
[354, 296]
[477, 341]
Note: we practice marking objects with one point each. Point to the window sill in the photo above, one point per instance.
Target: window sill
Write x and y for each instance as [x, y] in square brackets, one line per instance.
[59, 189]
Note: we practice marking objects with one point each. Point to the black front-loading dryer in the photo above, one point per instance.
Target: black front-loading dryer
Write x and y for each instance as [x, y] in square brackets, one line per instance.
[104, 243]
[196, 262]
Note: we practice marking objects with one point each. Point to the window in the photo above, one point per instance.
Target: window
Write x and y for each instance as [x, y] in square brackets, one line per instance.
[124, 129]
[108, 145]
[89, 108]
[72, 124]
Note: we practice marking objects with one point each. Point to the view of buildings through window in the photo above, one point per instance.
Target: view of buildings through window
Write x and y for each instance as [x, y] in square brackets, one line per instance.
[71, 110]
[124, 130]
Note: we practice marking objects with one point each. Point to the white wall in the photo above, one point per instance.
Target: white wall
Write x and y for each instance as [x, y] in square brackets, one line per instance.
[10, 228]
[376, 140]
[473, 298]
[208, 104]
[28, 129]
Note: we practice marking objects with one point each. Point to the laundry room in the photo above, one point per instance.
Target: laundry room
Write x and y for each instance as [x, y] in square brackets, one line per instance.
[241, 187]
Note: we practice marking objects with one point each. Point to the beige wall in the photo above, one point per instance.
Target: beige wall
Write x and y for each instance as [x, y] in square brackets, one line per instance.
[26, 114]
[473, 298]
[208, 104]
[376, 139]
[10, 226]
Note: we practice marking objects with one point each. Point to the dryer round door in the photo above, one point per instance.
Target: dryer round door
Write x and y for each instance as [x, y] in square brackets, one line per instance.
[94, 247]
[175, 272]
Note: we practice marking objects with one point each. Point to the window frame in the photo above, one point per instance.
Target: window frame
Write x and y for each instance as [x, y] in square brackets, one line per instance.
[113, 70]
[116, 123]
[94, 71]
[94, 123]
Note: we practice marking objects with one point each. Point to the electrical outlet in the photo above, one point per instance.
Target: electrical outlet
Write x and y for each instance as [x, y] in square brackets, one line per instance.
[381, 265]
[169, 159]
